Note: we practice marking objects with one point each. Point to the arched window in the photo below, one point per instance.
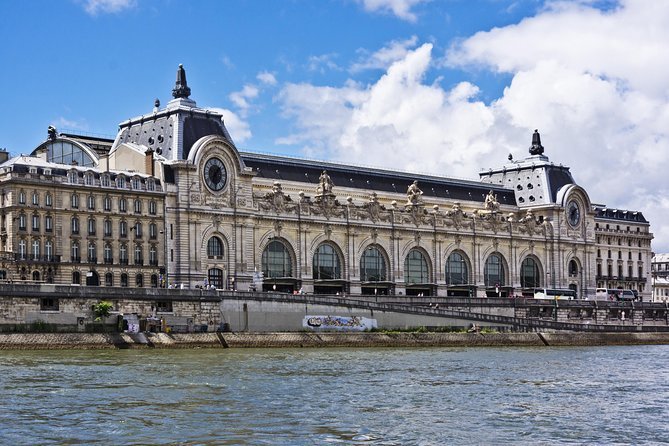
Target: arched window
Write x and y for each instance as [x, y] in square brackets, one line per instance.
[91, 226]
[153, 255]
[415, 268]
[48, 199]
[108, 227]
[92, 253]
[109, 279]
[36, 250]
[138, 206]
[326, 263]
[122, 205]
[139, 281]
[457, 272]
[154, 281]
[76, 278]
[76, 258]
[23, 249]
[108, 256]
[215, 248]
[124, 279]
[36, 276]
[573, 268]
[123, 254]
[48, 251]
[64, 152]
[529, 274]
[123, 228]
[215, 276]
[75, 225]
[276, 261]
[372, 265]
[493, 273]
[120, 182]
[138, 254]
[91, 202]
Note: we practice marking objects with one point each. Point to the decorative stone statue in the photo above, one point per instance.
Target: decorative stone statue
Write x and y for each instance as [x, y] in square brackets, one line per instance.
[491, 203]
[325, 184]
[414, 193]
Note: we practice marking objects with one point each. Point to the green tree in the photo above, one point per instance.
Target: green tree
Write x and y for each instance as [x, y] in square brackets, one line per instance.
[102, 310]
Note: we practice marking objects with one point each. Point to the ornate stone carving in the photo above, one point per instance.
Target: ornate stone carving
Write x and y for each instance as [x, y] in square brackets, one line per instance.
[529, 223]
[276, 200]
[458, 217]
[374, 208]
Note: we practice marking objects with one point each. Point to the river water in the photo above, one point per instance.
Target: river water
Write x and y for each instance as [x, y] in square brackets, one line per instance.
[389, 396]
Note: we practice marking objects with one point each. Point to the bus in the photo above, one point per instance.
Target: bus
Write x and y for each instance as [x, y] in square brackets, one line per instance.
[554, 293]
[615, 294]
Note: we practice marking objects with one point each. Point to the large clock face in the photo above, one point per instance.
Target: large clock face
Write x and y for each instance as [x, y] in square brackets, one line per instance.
[215, 174]
[573, 213]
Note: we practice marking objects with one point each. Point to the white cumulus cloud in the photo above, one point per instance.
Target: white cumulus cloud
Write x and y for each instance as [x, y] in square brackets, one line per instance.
[399, 8]
[238, 128]
[95, 7]
[591, 81]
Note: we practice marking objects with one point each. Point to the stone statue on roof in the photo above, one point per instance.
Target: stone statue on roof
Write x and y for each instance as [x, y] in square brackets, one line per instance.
[325, 184]
[491, 203]
[414, 193]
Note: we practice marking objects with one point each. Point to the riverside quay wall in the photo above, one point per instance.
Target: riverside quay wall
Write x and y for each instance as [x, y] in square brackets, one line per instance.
[25, 307]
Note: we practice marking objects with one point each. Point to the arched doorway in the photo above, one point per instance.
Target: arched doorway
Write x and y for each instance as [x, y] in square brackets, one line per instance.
[374, 272]
[277, 268]
[457, 276]
[92, 278]
[417, 274]
[327, 266]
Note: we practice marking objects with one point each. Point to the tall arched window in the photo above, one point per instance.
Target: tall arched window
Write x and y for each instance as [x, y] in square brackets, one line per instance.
[76, 278]
[139, 260]
[139, 280]
[215, 248]
[326, 263]
[108, 256]
[573, 268]
[109, 279]
[529, 274]
[276, 261]
[123, 254]
[415, 268]
[372, 265]
[493, 273]
[457, 272]
[124, 279]
[48, 251]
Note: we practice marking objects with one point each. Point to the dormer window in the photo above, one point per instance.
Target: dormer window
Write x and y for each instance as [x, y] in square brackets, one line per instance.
[33, 170]
[90, 179]
[150, 184]
[47, 171]
[104, 180]
[136, 184]
[73, 177]
[120, 182]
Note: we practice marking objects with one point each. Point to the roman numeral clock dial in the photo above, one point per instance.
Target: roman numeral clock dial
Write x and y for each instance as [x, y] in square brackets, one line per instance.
[215, 174]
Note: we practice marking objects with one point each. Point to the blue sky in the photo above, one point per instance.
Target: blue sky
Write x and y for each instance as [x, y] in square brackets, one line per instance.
[448, 87]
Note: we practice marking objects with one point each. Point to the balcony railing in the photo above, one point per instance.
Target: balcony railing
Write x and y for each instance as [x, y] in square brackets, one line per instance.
[34, 258]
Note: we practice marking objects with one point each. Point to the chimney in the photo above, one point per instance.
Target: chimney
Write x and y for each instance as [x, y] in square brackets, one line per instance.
[104, 162]
[4, 155]
[148, 162]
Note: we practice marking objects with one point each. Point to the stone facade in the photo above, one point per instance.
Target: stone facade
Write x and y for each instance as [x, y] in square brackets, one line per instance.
[238, 220]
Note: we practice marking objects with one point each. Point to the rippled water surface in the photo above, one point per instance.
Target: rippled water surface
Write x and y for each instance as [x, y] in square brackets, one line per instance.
[602, 395]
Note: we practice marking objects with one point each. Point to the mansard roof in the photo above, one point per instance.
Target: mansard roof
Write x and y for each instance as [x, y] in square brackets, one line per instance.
[620, 215]
[371, 179]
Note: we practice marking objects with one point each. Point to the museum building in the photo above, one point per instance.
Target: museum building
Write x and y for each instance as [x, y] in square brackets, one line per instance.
[171, 201]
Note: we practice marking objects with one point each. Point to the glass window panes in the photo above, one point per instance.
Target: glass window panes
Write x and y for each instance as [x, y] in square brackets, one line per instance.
[529, 274]
[276, 261]
[64, 152]
[91, 202]
[35, 198]
[326, 263]
[22, 197]
[48, 199]
[122, 205]
[493, 274]
[415, 268]
[372, 265]
[74, 200]
[215, 248]
[456, 270]
[215, 276]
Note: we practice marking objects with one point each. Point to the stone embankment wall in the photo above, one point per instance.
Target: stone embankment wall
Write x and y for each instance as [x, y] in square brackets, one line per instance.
[32, 341]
